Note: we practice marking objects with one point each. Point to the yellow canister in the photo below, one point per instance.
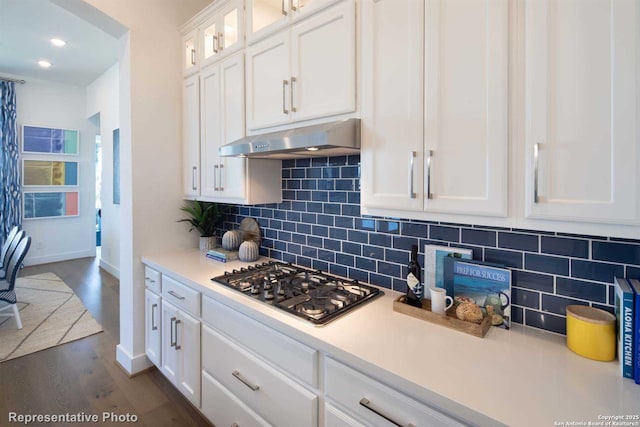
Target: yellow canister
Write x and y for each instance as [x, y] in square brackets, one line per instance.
[591, 332]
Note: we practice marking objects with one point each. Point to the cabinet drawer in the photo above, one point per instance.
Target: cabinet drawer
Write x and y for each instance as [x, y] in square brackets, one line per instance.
[224, 409]
[181, 295]
[333, 417]
[152, 279]
[372, 401]
[276, 398]
[290, 355]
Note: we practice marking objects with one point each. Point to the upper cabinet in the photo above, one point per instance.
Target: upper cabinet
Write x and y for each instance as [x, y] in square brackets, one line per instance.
[288, 78]
[581, 101]
[191, 136]
[223, 32]
[190, 61]
[435, 106]
[264, 17]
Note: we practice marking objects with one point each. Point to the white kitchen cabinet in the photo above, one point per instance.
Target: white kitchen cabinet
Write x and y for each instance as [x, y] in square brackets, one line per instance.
[581, 101]
[287, 76]
[375, 403]
[191, 136]
[223, 32]
[222, 408]
[190, 61]
[392, 106]
[230, 179]
[181, 351]
[334, 417]
[152, 327]
[449, 154]
[267, 16]
[268, 392]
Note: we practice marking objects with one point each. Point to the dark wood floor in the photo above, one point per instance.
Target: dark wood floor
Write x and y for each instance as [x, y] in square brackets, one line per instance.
[82, 376]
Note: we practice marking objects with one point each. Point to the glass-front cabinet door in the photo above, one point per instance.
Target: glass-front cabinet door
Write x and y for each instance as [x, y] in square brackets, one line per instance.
[189, 56]
[266, 16]
[222, 34]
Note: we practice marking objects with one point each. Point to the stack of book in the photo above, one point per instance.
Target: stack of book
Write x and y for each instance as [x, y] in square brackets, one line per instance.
[222, 255]
[627, 303]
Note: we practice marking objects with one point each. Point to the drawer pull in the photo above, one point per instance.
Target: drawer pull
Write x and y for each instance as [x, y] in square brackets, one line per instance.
[173, 294]
[150, 280]
[253, 387]
[367, 404]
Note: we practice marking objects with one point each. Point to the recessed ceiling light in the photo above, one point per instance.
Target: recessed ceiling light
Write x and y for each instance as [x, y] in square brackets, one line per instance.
[58, 42]
[44, 64]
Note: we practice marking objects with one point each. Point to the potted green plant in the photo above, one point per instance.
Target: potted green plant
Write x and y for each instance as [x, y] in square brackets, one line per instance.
[203, 217]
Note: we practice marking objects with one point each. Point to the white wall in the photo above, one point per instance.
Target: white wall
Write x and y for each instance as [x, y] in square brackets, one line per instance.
[56, 105]
[150, 142]
[103, 99]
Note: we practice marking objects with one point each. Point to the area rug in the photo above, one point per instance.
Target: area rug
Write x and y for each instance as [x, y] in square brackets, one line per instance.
[51, 315]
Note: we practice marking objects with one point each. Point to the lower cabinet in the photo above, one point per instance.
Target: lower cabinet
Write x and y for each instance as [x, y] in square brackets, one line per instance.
[271, 394]
[152, 331]
[375, 403]
[223, 408]
[181, 351]
[334, 417]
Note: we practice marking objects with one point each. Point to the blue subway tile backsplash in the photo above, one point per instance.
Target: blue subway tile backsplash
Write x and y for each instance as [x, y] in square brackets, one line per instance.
[319, 225]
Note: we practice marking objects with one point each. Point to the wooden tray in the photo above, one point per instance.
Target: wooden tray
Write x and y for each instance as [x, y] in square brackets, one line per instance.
[450, 320]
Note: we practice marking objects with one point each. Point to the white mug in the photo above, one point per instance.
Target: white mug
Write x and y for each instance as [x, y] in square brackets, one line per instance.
[439, 300]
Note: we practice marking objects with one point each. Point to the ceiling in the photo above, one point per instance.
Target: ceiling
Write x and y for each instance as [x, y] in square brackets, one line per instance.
[26, 26]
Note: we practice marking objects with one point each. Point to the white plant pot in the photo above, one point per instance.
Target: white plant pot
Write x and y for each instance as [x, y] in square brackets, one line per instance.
[207, 243]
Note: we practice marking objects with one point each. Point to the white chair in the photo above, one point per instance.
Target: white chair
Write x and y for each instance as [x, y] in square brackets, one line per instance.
[5, 254]
[7, 287]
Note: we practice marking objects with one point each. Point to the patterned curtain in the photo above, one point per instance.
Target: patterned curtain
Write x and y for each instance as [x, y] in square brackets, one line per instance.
[10, 205]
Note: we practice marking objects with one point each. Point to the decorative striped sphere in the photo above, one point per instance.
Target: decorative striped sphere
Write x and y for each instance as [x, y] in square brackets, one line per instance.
[231, 240]
[248, 251]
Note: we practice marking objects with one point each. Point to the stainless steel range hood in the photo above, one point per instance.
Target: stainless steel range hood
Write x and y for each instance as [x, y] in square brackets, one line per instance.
[326, 139]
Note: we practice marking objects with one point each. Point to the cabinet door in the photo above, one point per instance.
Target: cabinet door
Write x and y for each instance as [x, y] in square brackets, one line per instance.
[191, 136]
[169, 353]
[209, 41]
[333, 417]
[210, 121]
[152, 329]
[190, 52]
[392, 106]
[466, 106]
[581, 101]
[233, 174]
[326, 38]
[268, 90]
[265, 17]
[231, 34]
[187, 337]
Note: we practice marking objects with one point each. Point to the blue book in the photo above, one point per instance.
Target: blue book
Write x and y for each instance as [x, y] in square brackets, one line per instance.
[624, 316]
[635, 285]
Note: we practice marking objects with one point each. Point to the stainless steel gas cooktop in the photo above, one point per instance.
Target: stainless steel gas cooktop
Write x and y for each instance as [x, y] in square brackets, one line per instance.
[311, 294]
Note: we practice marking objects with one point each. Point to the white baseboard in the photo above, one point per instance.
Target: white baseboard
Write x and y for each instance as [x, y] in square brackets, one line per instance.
[45, 259]
[132, 364]
[114, 271]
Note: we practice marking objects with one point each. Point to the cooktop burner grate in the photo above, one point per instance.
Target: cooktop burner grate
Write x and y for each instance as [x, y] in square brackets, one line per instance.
[310, 294]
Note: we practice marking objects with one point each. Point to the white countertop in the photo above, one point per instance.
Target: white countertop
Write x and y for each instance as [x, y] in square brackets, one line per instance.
[520, 377]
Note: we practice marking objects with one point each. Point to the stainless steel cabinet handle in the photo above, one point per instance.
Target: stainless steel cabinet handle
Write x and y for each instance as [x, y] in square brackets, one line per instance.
[412, 156]
[536, 149]
[193, 57]
[253, 387]
[221, 40]
[285, 83]
[193, 178]
[365, 402]
[153, 317]
[215, 178]
[221, 175]
[292, 6]
[172, 340]
[293, 80]
[216, 44]
[429, 195]
[284, 12]
[234, 425]
[177, 322]
[150, 280]
[173, 294]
